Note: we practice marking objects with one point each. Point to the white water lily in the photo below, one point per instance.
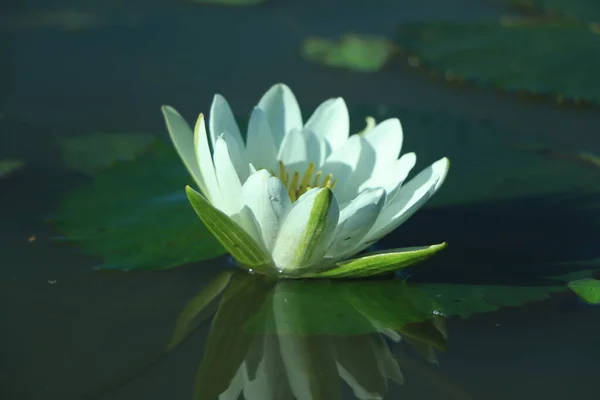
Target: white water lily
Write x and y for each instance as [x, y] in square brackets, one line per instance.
[300, 198]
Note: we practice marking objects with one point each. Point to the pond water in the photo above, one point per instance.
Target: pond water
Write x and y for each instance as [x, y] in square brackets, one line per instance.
[480, 320]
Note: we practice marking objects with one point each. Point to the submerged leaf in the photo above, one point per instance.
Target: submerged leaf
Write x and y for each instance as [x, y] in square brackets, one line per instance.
[587, 289]
[7, 167]
[95, 152]
[229, 2]
[514, 55]
[356, 52]
[136, 215]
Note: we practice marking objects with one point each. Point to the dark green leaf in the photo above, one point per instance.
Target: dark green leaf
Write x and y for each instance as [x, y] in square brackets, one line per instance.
[137, 216]
[513, 55]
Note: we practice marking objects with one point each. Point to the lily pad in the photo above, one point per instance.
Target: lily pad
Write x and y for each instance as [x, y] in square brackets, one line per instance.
[356, 52]
[7, 167]
[584, 10]
[587, 289]
[137, 216]
[525, 56]
[466, 300]
[95, 152]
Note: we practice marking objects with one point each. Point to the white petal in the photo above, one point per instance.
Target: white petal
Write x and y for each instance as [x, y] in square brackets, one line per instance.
[356, 219]
[293, 152]
[229, 181]
[392, 177]
[282, 111]
[409, 199]
[205, 162]
[317, 149]
[260, 147]
[342, 163]
[221, 120]
[268, 200]
[386, 139]
[293, 248]
[182, 137]
[331, 122]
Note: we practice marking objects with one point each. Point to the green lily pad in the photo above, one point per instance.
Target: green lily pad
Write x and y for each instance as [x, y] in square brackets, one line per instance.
[137, 216]
[584, 10]
[356, 52]
[587, 289]
[526, 56]
[95, 152]
[7, 167]
[466, 300]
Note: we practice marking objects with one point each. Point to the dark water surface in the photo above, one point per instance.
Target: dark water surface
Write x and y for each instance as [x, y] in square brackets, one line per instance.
[70, 332]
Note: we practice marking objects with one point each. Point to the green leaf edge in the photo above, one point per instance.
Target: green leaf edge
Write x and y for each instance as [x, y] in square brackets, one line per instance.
[587, 289]
[379, 262]
[238, 243]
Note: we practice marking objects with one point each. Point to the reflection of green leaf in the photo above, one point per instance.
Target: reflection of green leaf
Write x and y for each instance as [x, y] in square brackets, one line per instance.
[587, 289]
[586, 10]
[136, 215]
[227, 345]
[7, 167]
[187, 319]
[466, 300]
[356, 52]
[92, 153]
[530, 56]
[572, 276]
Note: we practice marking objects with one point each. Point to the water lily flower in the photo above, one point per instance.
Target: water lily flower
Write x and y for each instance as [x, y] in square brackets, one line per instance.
[299, 199]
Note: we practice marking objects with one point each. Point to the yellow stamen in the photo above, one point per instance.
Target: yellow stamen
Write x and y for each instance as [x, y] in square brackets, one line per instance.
[297, 183]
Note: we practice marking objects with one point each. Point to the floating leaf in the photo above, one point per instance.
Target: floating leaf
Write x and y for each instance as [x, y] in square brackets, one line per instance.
[95, 152]
[7, 167]
[356, 52]
[466, 300]
[587, 289]
[515, 55]
[585, 10]
[137, 216]
[576, 275]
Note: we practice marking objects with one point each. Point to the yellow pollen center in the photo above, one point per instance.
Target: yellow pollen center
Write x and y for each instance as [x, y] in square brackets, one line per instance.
[297, 186]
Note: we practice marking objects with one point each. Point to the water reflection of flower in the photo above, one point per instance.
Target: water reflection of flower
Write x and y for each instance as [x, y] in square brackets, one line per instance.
[296, 339]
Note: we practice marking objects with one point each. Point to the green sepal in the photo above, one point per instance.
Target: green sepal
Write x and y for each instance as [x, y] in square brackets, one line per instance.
[238, 243]
[379, 262]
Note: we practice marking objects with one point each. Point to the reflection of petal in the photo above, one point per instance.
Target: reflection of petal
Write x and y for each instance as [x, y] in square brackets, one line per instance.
[236, 386]
[309, 361]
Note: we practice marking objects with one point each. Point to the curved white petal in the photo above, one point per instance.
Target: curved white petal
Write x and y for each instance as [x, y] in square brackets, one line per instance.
[229, 181]
[221, 120]
[268, 200]
[356, 219]
[282, 111]
[236, 385]
[204, 162]
[342, 163]
[317, 149]
[409, 199]
[307, 230]
[331, 122]
[293, 151]
[392, 177]
[386, 138]
[182, 137]
[260, 147]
